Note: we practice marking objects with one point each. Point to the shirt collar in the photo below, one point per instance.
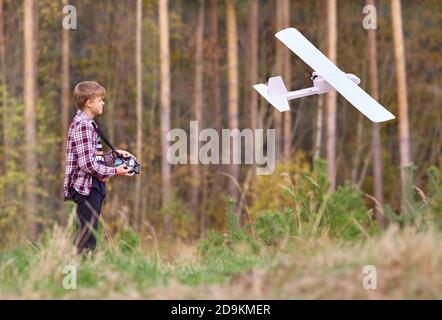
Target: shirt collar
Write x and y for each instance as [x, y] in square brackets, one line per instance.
[83, 116]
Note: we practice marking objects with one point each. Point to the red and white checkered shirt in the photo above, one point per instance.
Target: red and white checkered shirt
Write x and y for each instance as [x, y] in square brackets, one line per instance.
[81, 162]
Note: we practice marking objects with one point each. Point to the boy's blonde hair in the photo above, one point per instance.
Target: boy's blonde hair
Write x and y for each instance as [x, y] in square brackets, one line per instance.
[87, 90]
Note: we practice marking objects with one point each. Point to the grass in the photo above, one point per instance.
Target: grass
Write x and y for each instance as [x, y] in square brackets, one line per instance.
[314, 247]
[408, 263]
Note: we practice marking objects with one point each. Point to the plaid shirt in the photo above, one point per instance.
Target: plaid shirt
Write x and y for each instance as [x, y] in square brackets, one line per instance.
[81, 162]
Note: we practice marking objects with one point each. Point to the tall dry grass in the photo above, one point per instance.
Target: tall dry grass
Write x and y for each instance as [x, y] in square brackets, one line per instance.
[408, 263]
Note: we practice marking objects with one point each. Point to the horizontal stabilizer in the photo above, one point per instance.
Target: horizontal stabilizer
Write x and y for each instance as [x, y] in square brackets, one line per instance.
[278, 100]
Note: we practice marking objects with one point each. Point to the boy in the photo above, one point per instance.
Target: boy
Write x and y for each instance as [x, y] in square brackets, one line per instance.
[87, 167]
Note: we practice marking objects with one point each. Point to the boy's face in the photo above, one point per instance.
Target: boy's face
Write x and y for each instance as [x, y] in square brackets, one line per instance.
[95, 106]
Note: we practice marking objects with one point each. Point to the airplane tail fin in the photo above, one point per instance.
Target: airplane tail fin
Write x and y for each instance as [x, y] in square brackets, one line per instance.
[275, 93]
[276, 86]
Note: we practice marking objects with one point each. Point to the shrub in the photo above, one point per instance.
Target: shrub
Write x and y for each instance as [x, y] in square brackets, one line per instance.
[273, 226]
[346, 214]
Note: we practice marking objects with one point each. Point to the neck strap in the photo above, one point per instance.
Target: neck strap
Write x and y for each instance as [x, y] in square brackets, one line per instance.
[103, 137]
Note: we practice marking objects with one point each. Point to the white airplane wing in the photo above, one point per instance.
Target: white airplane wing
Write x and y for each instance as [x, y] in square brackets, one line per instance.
[360, 99]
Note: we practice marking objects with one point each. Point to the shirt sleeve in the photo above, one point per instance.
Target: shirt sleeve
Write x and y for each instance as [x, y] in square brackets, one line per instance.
[85, 148]
[109, 158]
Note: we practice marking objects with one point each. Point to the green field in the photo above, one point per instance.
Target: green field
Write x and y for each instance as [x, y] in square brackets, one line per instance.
[315, 248]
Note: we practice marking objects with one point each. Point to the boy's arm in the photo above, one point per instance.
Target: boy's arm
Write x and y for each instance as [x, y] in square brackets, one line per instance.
[109, 158]
[84, 144]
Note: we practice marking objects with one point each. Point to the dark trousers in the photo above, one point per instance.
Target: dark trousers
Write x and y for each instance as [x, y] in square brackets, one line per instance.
[88, 215]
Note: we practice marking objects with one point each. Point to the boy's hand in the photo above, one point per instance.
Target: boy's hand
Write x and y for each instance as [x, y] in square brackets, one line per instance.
[125, 153]
[123, 170]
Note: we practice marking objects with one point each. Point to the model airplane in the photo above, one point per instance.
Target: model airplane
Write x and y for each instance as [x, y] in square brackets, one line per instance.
[327, 77]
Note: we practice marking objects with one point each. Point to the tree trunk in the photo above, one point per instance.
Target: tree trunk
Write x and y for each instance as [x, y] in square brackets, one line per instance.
[123, 52]
[5, 115]
[110, 110]
[401, 76]
[253, 45]
[64, 88]
[233, 94]
[318, 131]
[374, 91]
[253, 74]
[30, 118]
[215, 115]
[321, 112]
[279, 66]
[216, 102]
[331, 96]
[64, 102]
[139, 107]
[285, 5]
[358, 150]
[198, 111]
[166, 191]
